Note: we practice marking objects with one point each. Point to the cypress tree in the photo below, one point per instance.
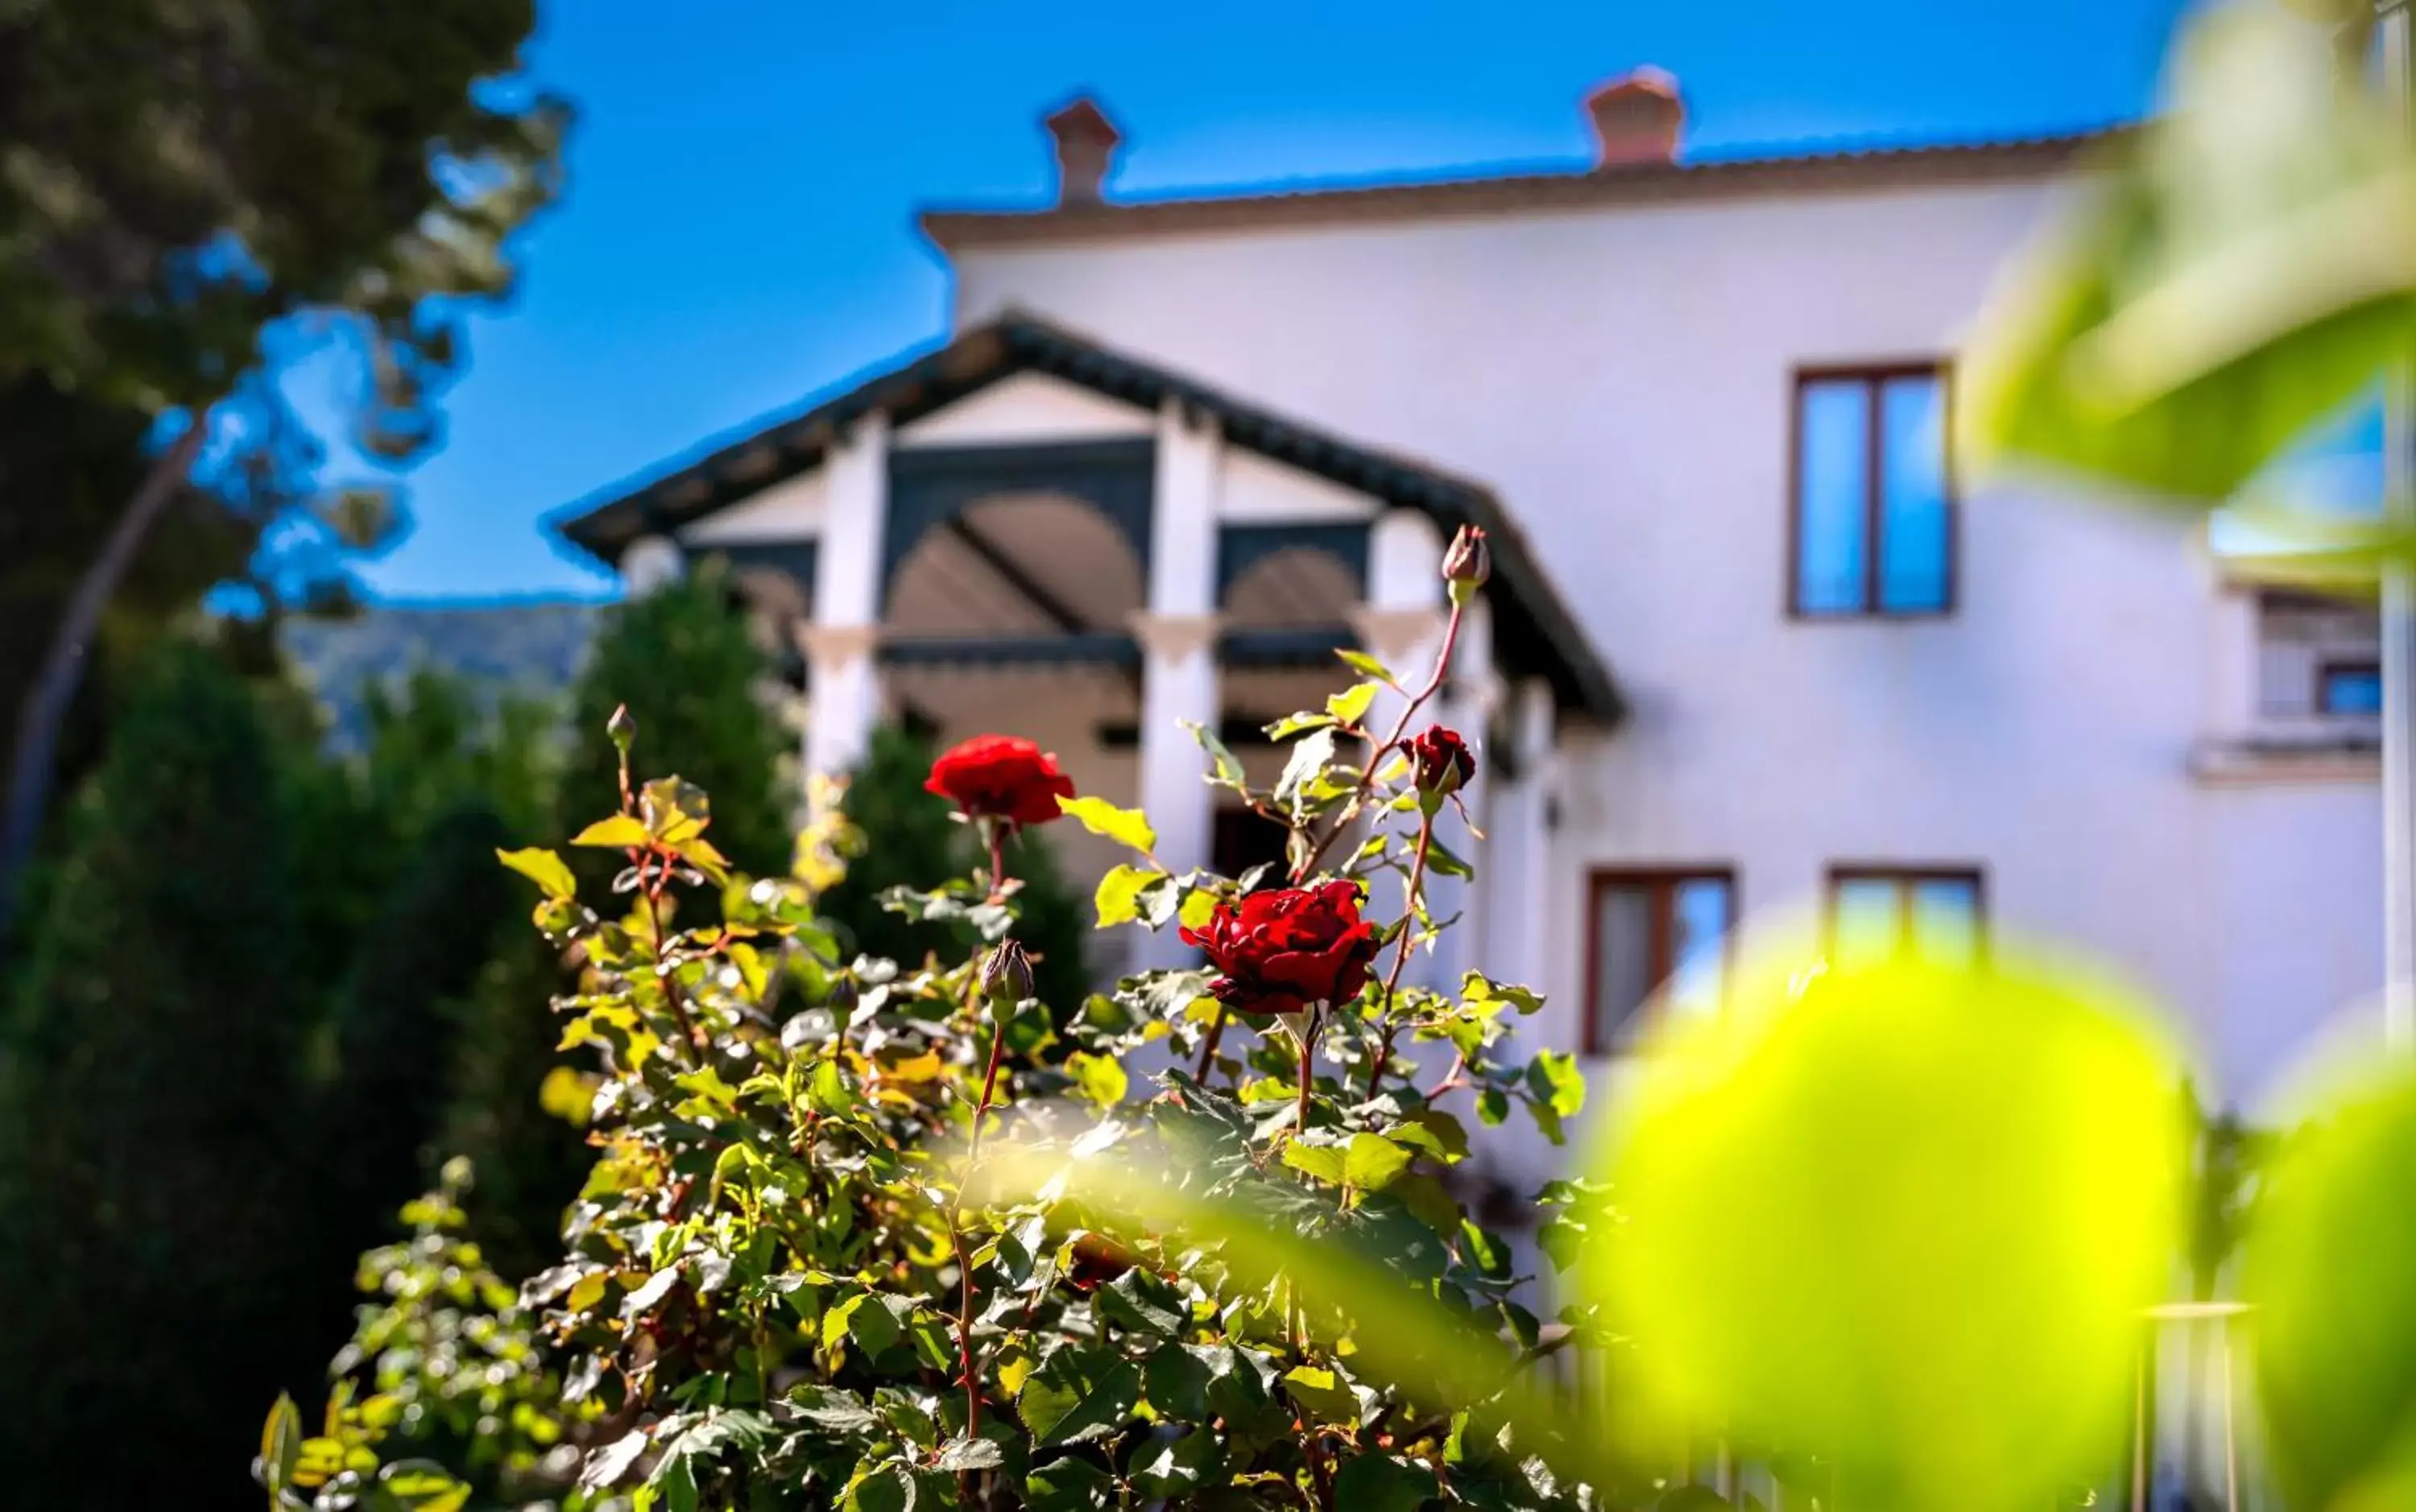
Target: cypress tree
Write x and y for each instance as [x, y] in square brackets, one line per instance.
[148, 1213]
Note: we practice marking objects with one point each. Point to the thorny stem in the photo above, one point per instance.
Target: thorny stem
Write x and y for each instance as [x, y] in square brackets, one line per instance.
[995, 833]
[1375, 757]
[1307, 1036]
[662, 951]
[1402, 956]
[1208, 1050]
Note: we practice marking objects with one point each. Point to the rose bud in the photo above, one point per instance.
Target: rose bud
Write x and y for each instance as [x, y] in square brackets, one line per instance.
[1006, 977]
[1467, 565]
[1441, 762]
[623, 728]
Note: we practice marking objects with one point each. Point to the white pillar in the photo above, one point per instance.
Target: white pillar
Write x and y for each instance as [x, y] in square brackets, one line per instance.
[2236, 663]
[1178, 639]
[1401, 624]
[651, 563]
[843, 693]
[1523, 827]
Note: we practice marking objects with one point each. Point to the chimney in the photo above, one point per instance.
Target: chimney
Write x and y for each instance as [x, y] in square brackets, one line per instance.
[1637, 118]
[1086, 145]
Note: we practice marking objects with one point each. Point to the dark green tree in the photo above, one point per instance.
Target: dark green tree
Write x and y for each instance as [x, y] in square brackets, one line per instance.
[200, 197]
[682, 661]
[147, 1133]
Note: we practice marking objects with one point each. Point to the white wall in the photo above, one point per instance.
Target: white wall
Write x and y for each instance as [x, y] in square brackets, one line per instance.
[1623, 377]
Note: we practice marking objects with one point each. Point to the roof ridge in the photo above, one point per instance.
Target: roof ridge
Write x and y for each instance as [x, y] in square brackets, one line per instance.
[1875, 159]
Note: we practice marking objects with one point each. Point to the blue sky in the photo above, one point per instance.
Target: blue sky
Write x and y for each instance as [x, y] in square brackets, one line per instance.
[738, 234]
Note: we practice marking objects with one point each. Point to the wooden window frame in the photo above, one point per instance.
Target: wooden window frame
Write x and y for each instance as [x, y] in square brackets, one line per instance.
[1666, 881]
[1907, 879]
[1874, 378]
[2325, 667]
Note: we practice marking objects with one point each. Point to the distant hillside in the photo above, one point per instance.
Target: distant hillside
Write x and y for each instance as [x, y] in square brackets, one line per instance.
[531, 648]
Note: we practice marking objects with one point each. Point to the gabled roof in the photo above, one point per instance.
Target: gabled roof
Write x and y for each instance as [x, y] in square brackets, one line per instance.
[1850, 170]
[1533, 627]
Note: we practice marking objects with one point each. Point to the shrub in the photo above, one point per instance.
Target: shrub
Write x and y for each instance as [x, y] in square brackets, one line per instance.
[788, 1283]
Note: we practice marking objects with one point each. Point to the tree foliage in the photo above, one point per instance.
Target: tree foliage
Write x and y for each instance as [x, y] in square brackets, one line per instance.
[149, 1105]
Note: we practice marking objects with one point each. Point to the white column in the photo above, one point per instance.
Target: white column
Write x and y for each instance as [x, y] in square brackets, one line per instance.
[2235, 663]
[651, 563]
[1401, 625]
[1523, 825]
[1178, 639]
[843, 693]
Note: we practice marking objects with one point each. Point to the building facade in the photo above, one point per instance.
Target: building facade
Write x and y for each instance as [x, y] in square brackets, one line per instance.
[1753, 645]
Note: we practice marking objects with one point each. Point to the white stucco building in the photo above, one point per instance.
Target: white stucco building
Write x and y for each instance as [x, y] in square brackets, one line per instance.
[1751, 642]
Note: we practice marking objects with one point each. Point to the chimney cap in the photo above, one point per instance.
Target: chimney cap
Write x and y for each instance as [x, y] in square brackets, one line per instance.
[1082, 120]
[1636, 117]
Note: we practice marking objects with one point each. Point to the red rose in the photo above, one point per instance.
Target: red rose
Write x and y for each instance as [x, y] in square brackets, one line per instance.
[1001, 777]
[1441, 761]
[1283, 950]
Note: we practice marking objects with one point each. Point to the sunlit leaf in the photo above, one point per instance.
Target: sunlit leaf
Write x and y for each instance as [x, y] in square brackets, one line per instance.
[1977, 1169]
[2239, 271]
[1118, 898]
[1128, 828]
[1371, 1162]
[2327, 1266]
[622, 831]
[543, 867]
[1352, 704]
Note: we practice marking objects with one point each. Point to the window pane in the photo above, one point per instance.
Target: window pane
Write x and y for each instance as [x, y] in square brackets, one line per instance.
[1833, 472]
[2351, 688]
[1699, 928]
[1623, 961]
[1866, 919]
[1913, 494]
[1946, 917]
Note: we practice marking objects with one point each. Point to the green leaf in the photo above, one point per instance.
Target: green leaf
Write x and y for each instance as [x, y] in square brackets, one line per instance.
[1102, 1079]
[1141, 1301]
[1372, 1162]
[1118, 898]
[1352, 704]
[1359, 661]
[1079, 1393]
[1308, 760]
[1428, 1202]
[1128, 828]
[2236, 273]
[1492, 1106]
[889, 1489]
[1436, 1132]
[1325, 1162]
[1176, 1381]
[1071, 1485]
[281, 1443]
[1384, 1483]
[1291, 724]
[1177, 1467]
[1554, 1079]
[969, 1454]
[1229, 767]
[622, 831]
[543, 867]
[1322, 1394]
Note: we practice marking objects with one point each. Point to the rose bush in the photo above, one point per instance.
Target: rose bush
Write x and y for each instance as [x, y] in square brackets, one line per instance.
[806, 1270]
